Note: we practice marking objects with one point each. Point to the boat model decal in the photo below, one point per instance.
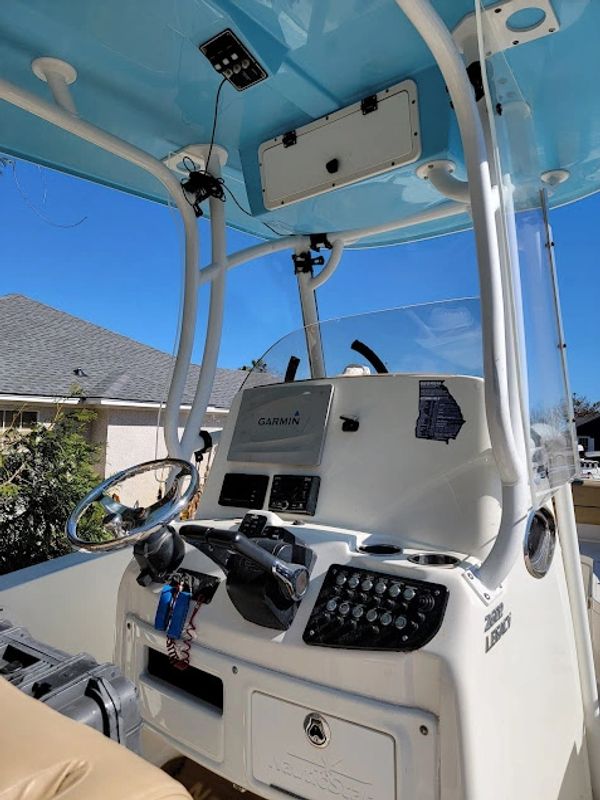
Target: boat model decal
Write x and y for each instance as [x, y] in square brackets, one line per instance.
[496, 625]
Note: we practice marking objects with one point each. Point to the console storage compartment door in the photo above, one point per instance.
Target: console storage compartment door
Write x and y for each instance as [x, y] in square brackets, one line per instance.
[314, 755]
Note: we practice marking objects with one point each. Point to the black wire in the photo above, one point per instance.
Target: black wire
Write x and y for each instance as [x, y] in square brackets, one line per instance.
[247, 213]
[221, 181]
[187, 158]
[215, 117]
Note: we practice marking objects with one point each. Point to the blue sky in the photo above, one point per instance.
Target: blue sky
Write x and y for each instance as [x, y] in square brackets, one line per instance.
[120, 267]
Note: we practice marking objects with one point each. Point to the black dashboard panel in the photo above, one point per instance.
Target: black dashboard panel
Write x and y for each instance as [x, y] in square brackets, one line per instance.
[296, 494]
[243, 490]
[367, 610]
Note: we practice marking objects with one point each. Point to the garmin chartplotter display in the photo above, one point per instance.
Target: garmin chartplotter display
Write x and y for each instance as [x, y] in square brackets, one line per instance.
[282, 425]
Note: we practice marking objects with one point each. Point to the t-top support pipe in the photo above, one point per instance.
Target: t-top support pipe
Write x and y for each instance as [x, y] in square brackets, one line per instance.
[437, 37]
[59, 75]
[509, 459]
[188, 332]
[191, 438]
[65, 120]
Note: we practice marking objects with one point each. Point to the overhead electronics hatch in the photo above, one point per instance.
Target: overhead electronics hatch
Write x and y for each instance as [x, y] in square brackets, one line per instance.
[376, 135]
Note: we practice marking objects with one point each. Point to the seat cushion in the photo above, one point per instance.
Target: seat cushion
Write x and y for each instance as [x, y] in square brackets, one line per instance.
[46, 756]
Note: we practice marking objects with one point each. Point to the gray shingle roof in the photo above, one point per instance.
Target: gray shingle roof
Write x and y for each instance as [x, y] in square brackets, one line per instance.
[41, 348]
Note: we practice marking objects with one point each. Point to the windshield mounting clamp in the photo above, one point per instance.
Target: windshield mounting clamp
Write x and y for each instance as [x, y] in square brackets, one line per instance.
[304, 262]
[319, 240]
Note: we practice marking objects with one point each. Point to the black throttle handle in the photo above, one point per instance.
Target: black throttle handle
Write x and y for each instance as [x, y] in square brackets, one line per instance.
[293, 578]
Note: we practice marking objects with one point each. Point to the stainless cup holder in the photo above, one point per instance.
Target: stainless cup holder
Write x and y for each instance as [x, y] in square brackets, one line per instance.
[433, 560]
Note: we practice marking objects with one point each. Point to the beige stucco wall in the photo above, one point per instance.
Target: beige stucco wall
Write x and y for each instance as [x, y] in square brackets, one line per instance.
[131, 439]
[125, 436]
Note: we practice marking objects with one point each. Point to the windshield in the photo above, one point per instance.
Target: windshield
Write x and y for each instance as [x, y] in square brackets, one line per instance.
[442, 338]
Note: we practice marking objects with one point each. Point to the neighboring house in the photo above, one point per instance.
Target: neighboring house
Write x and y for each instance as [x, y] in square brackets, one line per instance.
[49, 358]
[588, 434]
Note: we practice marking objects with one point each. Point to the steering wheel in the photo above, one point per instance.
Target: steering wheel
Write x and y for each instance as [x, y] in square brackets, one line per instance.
[131, 525]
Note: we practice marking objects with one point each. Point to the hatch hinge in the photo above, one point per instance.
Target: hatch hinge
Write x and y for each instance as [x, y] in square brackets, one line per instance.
[289, 139]
[369, 104]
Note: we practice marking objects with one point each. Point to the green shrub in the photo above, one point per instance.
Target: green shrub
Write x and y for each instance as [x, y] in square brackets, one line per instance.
[43, 474]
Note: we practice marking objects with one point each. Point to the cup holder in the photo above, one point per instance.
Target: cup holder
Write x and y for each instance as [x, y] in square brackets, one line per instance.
[380, 549]
[433, 560]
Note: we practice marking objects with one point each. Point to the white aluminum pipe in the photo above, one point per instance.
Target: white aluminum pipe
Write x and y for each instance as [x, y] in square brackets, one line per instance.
[354, 235]
[337, 250]
[253, 252]
[58, 75]
[60, 91]
[567, 534]
[516, 498]
[444, 181]
[310, 320]
[437, 37]
[191, 439]
[347, 237]
[112, 144]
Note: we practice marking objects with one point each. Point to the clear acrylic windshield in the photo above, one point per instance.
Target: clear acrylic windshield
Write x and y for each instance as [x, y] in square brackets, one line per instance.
[524, 181]
[442, 338]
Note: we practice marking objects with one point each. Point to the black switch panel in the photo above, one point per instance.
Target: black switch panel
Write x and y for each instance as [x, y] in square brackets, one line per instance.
[232, 59]
[359, 609]
[252, 525]
[241, 490]
[296, 494]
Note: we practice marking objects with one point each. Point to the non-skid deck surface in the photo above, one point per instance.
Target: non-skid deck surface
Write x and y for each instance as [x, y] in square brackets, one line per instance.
[203, 784]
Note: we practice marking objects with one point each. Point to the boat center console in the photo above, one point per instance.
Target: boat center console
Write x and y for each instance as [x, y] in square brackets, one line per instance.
[321, 636]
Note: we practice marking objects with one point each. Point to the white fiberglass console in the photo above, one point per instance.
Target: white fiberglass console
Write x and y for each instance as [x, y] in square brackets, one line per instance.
[364, 664]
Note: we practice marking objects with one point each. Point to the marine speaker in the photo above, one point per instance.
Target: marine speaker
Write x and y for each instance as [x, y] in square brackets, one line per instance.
[540, 542]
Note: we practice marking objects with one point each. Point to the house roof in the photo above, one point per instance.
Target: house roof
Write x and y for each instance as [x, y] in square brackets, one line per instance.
[43, 350]
[592, 417]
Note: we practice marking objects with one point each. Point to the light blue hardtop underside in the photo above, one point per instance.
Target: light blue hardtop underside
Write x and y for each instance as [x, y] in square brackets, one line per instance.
[142, 77]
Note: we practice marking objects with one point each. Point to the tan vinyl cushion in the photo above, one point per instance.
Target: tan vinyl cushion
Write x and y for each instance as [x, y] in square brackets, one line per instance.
[46, 756]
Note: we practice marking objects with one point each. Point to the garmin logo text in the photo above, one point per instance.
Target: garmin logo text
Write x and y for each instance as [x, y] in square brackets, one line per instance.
[294, 420]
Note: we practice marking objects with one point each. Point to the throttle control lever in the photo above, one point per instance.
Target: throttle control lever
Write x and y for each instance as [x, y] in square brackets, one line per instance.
[292, 578]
